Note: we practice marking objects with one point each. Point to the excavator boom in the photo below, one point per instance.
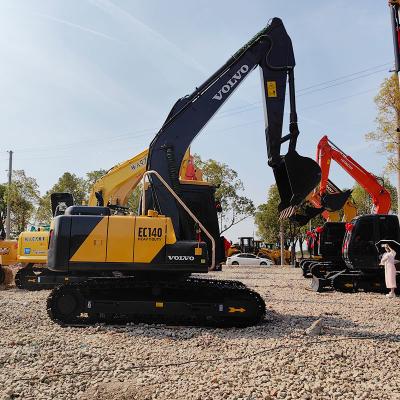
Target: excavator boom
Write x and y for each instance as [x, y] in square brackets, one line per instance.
[271, 50]
[328, 151]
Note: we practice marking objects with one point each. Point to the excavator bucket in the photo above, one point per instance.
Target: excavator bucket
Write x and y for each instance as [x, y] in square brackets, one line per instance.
[308, 214]
[296, 177]
[335, 201]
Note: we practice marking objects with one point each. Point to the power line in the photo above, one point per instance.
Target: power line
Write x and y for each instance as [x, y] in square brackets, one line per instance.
[339, 99]
[233, 111]
[343, 98]
[300, 93]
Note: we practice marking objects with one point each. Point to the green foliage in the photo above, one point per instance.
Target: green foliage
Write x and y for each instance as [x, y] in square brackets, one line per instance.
[134, 200]
[92, 177]
[268, 224]
[388, 105]
[69, 183]
[23, 195]
[235, 207]
[267, 217]
[3, 204]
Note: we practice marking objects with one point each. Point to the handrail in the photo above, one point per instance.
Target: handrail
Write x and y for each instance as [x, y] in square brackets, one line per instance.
[185, 207]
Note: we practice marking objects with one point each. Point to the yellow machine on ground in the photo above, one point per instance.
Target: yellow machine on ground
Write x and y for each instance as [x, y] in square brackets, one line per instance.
[113, 189]
[8, 254]
[247, 244]
[273, 253]
[177, 233]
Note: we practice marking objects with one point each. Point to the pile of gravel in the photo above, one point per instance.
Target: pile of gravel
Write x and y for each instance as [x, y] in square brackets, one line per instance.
[311, 346]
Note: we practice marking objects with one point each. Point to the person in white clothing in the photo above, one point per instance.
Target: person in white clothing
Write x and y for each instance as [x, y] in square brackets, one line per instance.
[388, 261]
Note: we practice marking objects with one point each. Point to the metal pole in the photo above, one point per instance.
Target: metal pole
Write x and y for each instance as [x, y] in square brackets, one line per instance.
[8, 225]
[282, 245]
[394, 16]
[398, 146]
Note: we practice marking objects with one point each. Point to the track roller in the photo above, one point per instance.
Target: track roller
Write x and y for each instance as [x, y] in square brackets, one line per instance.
[26, 278]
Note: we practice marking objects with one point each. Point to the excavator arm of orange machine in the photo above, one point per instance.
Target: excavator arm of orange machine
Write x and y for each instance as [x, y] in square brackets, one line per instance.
[328, 151]
[329, 199]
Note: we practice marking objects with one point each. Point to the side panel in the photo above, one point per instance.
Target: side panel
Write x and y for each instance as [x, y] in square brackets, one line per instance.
[32, 247]
[59, 248]
[8, 252]
[150, 236]
[121, 231]
[89, 238]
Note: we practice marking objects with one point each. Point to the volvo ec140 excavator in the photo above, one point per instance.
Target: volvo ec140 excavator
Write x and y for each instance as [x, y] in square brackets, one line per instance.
[112, 189]
[177, 232]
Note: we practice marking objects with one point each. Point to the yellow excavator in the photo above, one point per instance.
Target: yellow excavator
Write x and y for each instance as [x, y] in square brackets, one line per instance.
[177, 232]
[114, 189]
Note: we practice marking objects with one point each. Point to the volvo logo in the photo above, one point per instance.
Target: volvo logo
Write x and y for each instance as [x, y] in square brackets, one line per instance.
[181, 258]
[232, 82]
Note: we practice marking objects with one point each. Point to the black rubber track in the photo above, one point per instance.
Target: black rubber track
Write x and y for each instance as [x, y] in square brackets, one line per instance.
[2, 275]
[25, 278]
[66, 304]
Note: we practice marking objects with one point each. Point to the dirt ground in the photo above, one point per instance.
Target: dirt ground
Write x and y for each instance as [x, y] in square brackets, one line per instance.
[355, 356]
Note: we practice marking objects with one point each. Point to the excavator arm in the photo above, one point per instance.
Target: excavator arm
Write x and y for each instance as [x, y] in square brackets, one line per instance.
[114, 188]
[329, 199]
[328, 151]
[118, 183]
[271, 50]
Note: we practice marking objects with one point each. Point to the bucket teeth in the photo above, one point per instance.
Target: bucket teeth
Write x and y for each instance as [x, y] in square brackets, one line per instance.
[287, 213]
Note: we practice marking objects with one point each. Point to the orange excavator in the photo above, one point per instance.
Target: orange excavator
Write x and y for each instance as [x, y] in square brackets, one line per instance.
[328, 198]
[328, 151]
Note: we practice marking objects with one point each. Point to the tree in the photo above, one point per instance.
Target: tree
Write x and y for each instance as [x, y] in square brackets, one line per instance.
[3, 210]
[269, 225]
[134, 199]
[388, 105]
[69, 183]
[235, 207]
[92, 177]
[23, 195]
[267, 217]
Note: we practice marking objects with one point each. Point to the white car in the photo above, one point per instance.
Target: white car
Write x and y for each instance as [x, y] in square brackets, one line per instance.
[247, 259]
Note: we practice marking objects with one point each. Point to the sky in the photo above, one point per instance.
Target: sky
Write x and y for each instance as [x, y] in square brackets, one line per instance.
[86, 84]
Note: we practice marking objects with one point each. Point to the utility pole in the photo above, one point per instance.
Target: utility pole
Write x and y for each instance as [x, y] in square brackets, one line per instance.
[282, 244]
[394, 16]
[8, 225]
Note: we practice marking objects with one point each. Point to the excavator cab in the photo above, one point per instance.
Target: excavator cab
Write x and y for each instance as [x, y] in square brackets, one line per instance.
[296, 177]
[60, 202]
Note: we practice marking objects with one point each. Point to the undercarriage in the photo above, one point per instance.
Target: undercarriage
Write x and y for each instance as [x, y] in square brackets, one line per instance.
[189, 300]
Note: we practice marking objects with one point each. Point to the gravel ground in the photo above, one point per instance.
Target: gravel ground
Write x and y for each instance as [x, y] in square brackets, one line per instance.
[355, 357]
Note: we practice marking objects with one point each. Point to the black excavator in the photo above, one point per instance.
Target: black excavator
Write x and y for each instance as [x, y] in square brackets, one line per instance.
[358, 267]
[177, 233]
[326, 251]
